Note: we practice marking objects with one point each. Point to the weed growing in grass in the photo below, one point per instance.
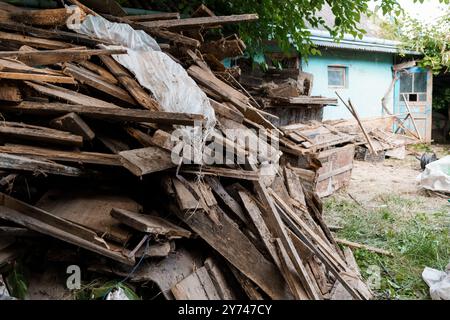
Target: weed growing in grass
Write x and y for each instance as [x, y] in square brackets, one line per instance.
[416, 239]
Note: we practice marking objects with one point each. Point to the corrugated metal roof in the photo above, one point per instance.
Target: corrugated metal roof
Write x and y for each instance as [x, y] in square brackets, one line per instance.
[323, 39]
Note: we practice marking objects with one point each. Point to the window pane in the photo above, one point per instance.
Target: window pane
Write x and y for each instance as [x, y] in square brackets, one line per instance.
[422, 97]
[420, 82]
[405, 82]
[336, 77]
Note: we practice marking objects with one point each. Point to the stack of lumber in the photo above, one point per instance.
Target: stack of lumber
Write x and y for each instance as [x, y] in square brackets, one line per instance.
[86, 163]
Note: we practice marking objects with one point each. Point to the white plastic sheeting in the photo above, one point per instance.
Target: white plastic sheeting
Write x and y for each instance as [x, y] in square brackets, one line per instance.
[167, 80]
[436, 176]
[439, 282]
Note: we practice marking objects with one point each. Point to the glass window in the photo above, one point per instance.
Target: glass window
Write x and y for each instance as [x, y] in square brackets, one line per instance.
[405, 82]
[337, 77]
[420, 82]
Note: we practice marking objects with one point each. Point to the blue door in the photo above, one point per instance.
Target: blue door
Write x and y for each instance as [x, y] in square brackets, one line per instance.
[413, 91]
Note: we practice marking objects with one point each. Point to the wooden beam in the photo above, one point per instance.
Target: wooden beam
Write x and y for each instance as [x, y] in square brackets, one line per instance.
[48, 57]
[59, 155]
[131, 85]
[33, 41]
[20, 163]
[10, 92]
[41, 134]
[71, 122]
[43, 222]
[154, 16]
[234, 246]
[36, 77]
[96, 82]
[146, 160]
[202, 22]
[150, 224]
[69, 95]
[112, 114]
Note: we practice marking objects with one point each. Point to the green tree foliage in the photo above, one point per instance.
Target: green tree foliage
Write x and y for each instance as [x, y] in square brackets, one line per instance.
[287, 21]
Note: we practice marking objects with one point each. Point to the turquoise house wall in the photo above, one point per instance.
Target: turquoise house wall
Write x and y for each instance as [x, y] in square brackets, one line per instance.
[369, 77]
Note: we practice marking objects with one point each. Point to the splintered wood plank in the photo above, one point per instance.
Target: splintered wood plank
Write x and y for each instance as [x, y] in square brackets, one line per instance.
[185, 199]
[69, 95]
[294, 186]
[234, 246]
[90, 209]
[33, 41]
[91, 79]
[48, 57]
[44, 17]
[157, 250]
[131, 85]
[16, 162]
[60, 155]
[217, 274]
[36, 77]
[46, 223]
[200, 22]
[106, 113]
[10, 92]
[149, 224]
[146, 160]
[154, 16]
[71, 122]
[12, 65]
[41, 134]
[100, 71]
[197, 286]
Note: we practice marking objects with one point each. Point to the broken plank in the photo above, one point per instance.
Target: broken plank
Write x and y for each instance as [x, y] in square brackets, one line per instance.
[69, 95]
[200, 22]
[94, 81]
[356, 245]
[225, 172]
[217, 274]
[41, 134]
[154, 16]
[43, 222]
[106, 113]
[234, 246]
[149, 224]
[197, 286]
[36, 77]
[90, 207]
[15, 162]
[33, 41]
[60, 155]
[48, 57]
[10, 92]
[100, 71]
[71, 122]
[130, 84]
[146, 160]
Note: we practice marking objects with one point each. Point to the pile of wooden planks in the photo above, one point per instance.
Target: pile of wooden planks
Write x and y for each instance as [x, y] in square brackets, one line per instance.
[87, 158]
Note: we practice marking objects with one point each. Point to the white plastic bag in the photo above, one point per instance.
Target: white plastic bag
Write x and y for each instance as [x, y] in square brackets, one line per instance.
[439, 283]
[436, 176]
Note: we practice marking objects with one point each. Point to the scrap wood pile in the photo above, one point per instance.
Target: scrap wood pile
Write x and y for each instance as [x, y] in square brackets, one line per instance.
[88, 158]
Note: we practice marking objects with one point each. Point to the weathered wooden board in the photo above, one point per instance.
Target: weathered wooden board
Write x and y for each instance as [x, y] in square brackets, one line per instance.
[146, 160]
[44, 222]
[91, 209]
[197, 286]
[71, 122]
[149, 224]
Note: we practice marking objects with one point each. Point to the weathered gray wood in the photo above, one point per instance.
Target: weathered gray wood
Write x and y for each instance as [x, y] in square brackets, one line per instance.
[242, 253]
[36, 77]
[149, 224]
[154, 16]
[43, 222]
[106, 113]
[60, 155]
[146, 160]
[48, 57]
[13, 162]
[41, 134]
[91, 79]
[71, 122]
[197, 286]
[219, 280]
[33, 41]
[200, 22]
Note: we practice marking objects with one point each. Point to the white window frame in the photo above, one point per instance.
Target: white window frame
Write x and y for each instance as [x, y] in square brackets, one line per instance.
[345, 76]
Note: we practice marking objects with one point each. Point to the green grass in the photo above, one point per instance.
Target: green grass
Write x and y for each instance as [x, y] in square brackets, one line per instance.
[421, 147]
[396, 224]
